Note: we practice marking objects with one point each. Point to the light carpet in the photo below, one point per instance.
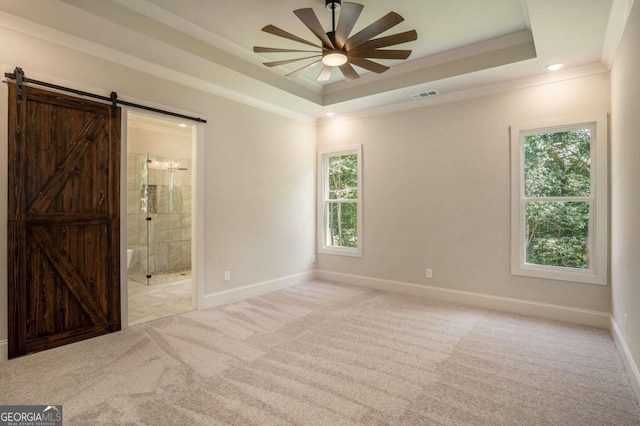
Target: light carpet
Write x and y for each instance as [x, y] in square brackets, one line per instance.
[327, 354]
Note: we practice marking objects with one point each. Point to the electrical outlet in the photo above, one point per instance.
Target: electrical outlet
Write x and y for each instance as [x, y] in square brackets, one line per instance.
[429, 273]
[626, 323]
[227, 275]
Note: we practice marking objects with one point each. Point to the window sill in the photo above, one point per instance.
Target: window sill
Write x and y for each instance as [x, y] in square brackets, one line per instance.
[340, 251]
[559, 274]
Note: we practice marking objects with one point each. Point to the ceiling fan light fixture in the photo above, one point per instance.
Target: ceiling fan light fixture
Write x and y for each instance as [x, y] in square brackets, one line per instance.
[334, 58]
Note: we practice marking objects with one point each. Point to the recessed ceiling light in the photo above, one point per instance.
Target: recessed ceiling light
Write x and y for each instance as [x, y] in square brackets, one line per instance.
[554, 67]
[182, 125]
[331, 114]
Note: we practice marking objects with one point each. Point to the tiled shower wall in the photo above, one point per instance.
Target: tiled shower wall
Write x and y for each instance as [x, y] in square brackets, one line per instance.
[169, 230]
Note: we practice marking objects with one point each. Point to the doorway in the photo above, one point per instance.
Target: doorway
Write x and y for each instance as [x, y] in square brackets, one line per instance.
[159, 175]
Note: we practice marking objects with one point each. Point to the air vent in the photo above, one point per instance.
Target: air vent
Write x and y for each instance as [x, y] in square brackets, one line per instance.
[424, 94]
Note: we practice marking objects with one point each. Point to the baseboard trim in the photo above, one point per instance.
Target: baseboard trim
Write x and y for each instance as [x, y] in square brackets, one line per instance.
[4, 350]
[627, 359]
[517, 306]
[257, 289]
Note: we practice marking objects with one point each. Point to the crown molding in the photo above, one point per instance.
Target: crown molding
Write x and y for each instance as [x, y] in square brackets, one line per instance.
[620, 10]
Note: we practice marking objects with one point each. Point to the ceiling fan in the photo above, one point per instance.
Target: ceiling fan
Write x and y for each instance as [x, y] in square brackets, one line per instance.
[337, 48]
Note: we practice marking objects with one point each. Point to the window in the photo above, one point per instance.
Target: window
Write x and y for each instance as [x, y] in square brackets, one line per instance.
[340, 204]
[559, 201]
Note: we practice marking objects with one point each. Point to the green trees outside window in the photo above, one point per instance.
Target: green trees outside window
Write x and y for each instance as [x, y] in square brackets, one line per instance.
[557, 197]
[342, 203]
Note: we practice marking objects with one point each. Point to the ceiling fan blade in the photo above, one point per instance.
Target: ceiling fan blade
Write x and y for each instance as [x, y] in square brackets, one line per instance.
[309, 18]
[348, 71]
[271, 29]
[288, 61]
[380, 54]
[389, 40]
[349, 14]
[303, 69]
[368, 65]
[388, 21]
[260, 49]
[325, 74]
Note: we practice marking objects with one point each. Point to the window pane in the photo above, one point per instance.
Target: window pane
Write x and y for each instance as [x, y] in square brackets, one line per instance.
[343, 177]
[343, 225]
[557, 234]
[558, 164]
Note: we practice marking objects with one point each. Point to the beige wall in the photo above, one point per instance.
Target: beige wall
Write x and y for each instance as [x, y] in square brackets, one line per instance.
[625, 184]
[259, 168]
[143, 140]
[437, 192]
[259, 197]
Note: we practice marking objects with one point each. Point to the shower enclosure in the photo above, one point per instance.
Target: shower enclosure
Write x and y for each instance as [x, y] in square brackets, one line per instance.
[158, 217]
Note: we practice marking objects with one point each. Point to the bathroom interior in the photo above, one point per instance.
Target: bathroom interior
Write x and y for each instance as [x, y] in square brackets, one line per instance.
[159, 208]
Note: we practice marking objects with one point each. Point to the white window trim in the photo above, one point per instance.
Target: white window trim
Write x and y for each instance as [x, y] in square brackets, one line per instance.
[323, 187]
[599, 235]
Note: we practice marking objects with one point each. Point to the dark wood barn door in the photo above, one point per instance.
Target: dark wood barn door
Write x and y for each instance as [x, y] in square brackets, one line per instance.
[64, 220]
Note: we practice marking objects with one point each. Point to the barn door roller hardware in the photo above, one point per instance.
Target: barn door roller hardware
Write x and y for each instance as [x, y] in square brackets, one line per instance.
[114, 104]
[18, 76]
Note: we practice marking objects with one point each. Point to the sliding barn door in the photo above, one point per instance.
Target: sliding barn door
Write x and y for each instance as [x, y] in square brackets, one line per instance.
[64, 224]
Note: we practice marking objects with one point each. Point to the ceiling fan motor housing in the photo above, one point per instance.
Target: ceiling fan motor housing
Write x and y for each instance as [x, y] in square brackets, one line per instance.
[332, 38]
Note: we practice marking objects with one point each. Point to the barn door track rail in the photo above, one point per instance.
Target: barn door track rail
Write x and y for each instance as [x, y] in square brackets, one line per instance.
[18, 76]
